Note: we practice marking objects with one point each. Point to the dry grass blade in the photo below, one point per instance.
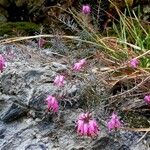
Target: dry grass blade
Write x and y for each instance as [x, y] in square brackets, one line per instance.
[136, 129]
[142, 137]
[127, 92]
[16, 39]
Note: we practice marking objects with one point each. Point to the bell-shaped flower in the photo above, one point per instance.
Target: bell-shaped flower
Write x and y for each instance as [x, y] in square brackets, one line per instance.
[59, 80]
[79, 65]
[86, 126]
[147, 99]
[114, 122]
[2, 63]
[86, 9]
[52, 103]
[134, 63]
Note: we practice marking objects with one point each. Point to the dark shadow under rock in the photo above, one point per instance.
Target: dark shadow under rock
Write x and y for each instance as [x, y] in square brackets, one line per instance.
[33, 75]
[36, 146]
[124, 147]
[80, 148]
[105, 143]
[13, 112]
[2, 131]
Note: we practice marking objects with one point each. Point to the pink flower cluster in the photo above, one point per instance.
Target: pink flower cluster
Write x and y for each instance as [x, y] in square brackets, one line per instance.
[52, 103]
[79, 65]
[114, 122]
[59, 80]
[147, 99]
[134, 62]
[2, 63]
[86, 9]
[87, 126]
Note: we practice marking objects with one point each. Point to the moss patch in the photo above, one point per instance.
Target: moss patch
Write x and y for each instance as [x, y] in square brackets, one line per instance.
[11, 28]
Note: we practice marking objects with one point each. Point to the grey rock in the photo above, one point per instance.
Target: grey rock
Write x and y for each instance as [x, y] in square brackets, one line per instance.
[78, 148]
[39, 95]
[105, 143]
[72, 90]
[14, 111]
[28, 90]
[140, 146]
[2, 103]
[11, 83]
[124, 147]
[36, 146]
[24, 85]
[33, 75]
[2, 131]
[58, 67]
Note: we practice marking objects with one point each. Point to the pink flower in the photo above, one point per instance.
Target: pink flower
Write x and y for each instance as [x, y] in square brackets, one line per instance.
[86, 9]
[52, 103]
[2, 63]
[41, 42]
[134, 63]
[59, 80]
[82, 61]
[114, 122]
[147, 99]
[79, 65]
[87, 126]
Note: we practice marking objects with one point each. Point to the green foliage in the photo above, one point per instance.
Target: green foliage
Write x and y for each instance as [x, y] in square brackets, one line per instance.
[10, 28]
[135, 32]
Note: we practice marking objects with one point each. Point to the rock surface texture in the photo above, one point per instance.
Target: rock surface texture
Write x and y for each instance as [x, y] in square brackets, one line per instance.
[25, 123]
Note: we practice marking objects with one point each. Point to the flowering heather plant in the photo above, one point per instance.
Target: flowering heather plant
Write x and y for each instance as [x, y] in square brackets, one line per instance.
[134, 63]
[2, 63]
[52, 103]
[86, 126]
[86, 9]
[114, 122]
[59, 80]
[147, 99]
[79, 65]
